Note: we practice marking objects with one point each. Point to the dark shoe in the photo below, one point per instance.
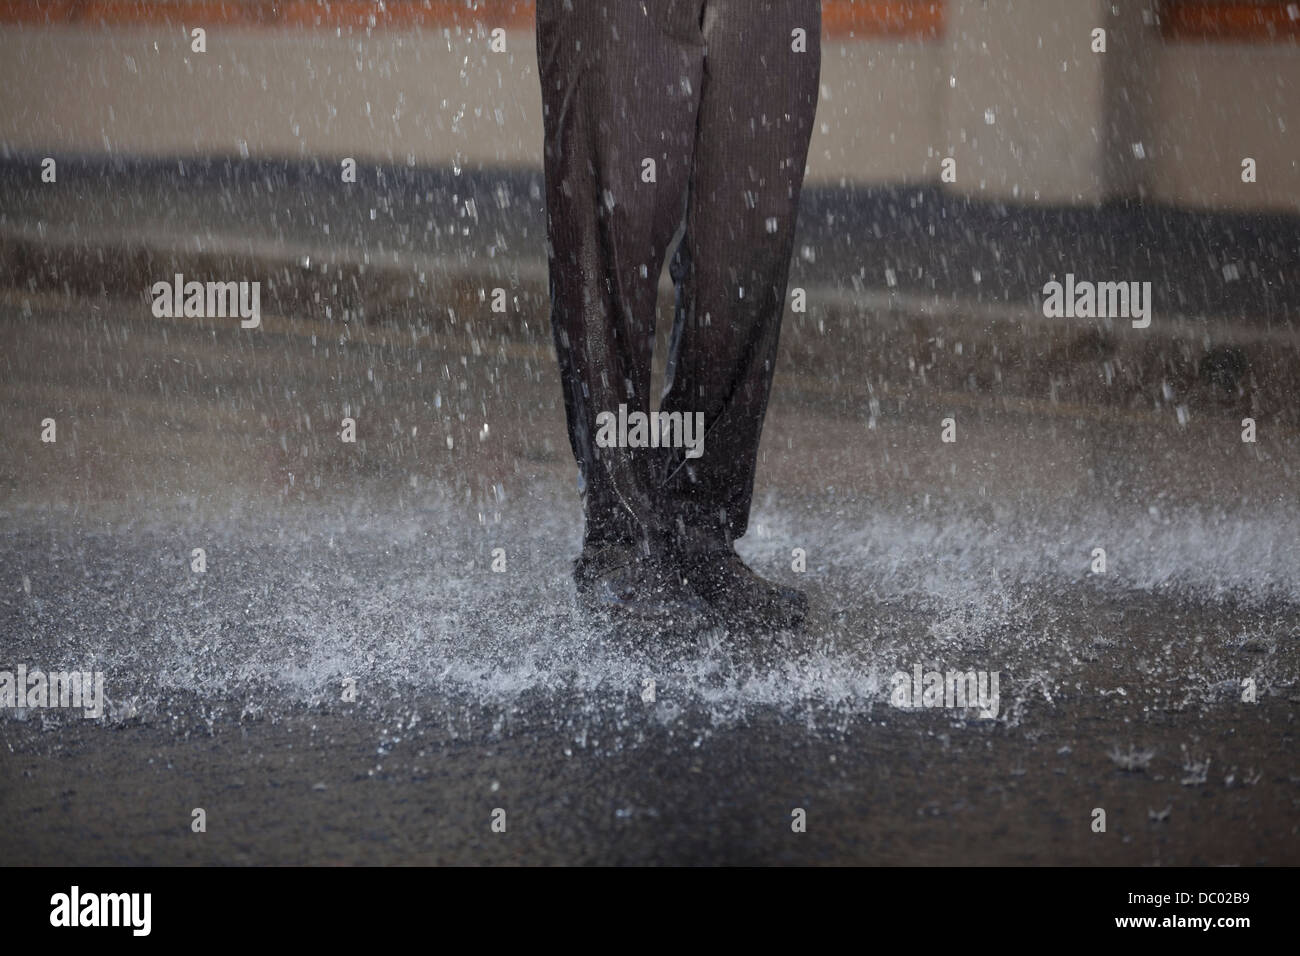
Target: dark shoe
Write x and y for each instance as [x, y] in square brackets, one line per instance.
[619, 579]
[739, 595]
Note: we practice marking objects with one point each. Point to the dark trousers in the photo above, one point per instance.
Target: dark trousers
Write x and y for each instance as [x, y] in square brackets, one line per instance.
[716, 95]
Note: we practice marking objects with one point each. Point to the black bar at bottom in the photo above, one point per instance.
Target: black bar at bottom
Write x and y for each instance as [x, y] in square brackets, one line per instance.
[948, 907]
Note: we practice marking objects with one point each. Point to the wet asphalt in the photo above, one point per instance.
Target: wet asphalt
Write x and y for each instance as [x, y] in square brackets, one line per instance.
[370, 566]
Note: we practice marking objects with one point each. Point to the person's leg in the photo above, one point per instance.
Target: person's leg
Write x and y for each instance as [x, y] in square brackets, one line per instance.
[756, 118]
[620, 87]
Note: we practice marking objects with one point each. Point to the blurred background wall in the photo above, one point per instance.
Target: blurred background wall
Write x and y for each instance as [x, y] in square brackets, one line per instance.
[1011, 90]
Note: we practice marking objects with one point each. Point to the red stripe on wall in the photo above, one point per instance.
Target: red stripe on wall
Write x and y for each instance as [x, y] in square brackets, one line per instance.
[903, 19]
[1270, 22]
[883, 18]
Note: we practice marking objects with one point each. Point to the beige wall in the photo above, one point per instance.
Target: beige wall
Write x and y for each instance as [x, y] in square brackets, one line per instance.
[1215, 105]
[1065, 120]
[1026, 66]
[880, 116]
[392, 96]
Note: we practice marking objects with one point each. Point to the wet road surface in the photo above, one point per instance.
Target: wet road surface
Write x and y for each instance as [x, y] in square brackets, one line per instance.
[480, 689]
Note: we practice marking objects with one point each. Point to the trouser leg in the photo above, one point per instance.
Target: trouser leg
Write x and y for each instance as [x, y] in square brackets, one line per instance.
[621, 85]
[757, 107]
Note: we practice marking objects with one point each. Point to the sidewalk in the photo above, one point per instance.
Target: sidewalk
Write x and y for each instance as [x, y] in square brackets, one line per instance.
[939, 292]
